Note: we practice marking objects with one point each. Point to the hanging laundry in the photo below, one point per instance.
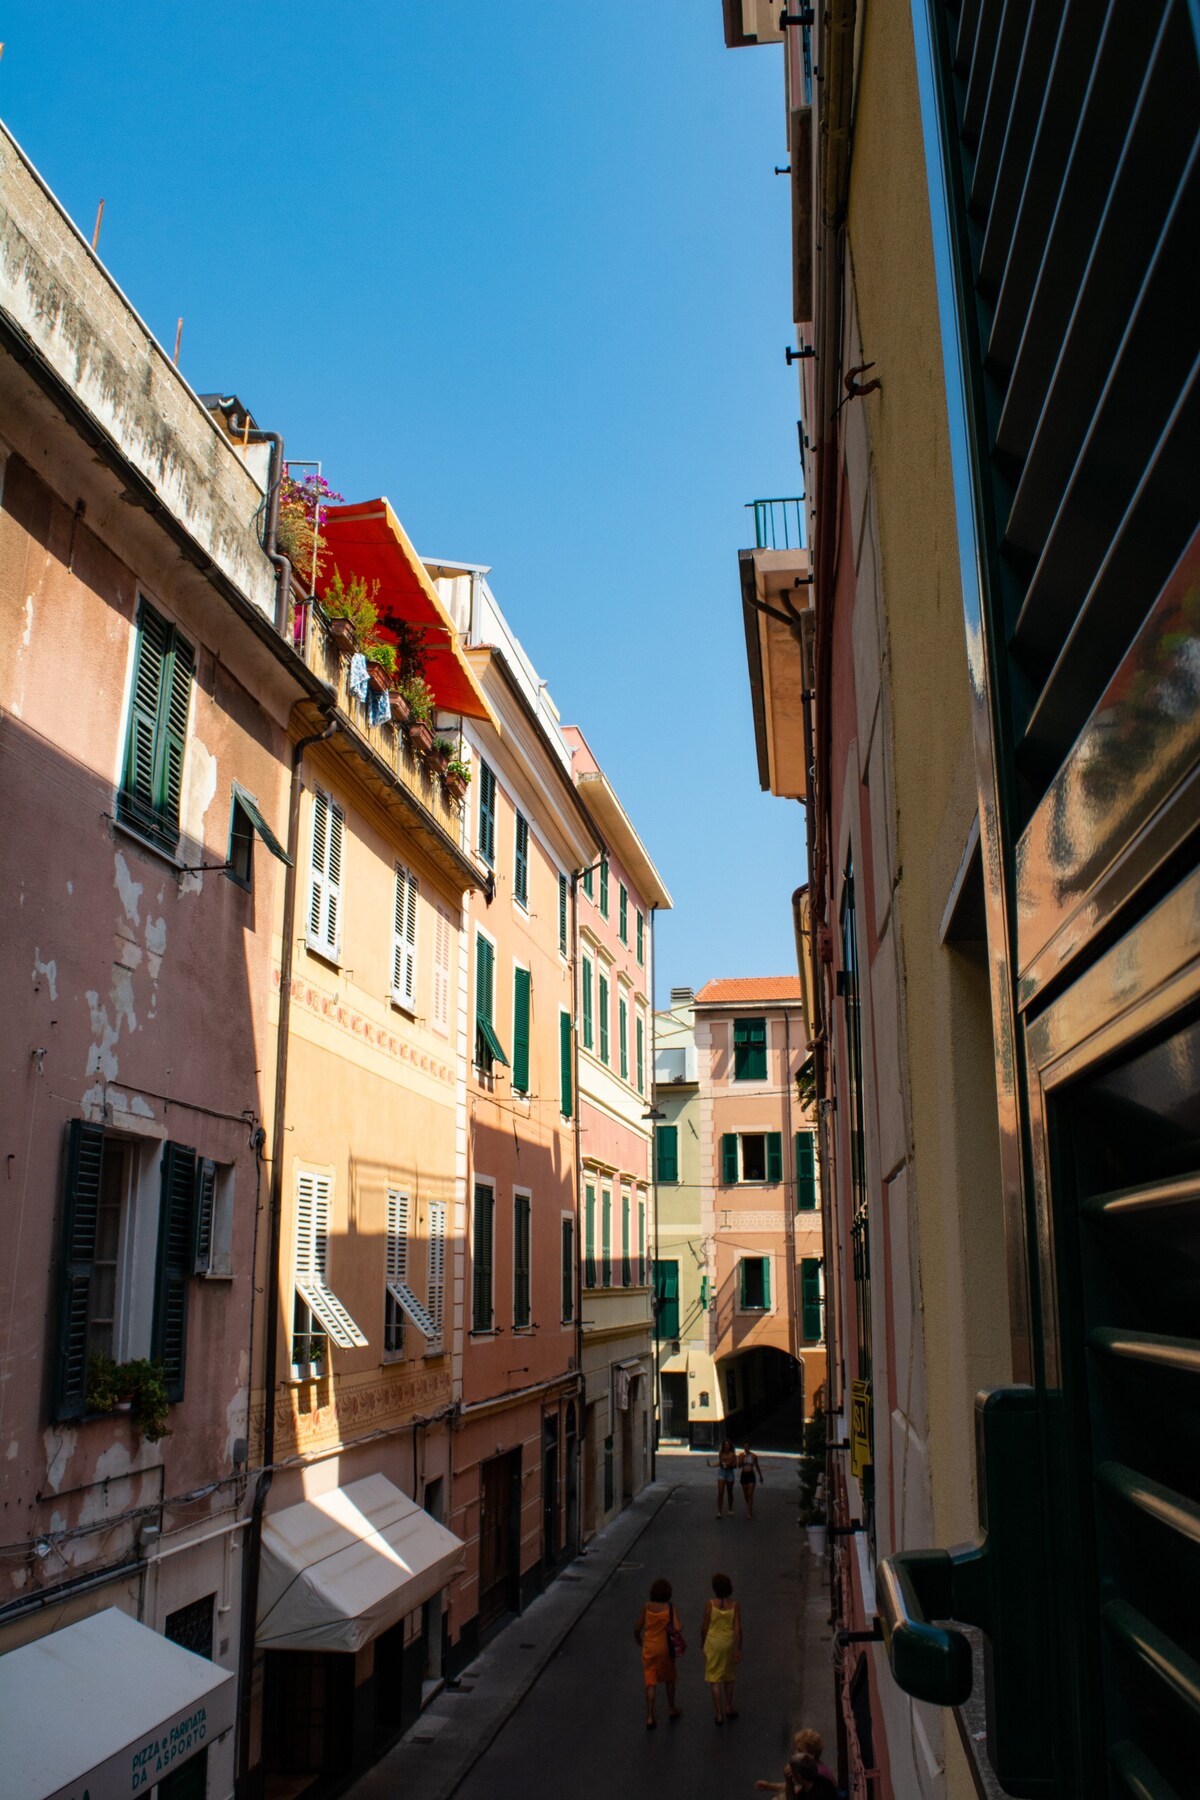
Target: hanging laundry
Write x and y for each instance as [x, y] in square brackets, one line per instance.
[357, 680]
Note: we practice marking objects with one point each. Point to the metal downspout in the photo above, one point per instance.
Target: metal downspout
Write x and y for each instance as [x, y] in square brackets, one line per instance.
[283, 568]
[271, 1283]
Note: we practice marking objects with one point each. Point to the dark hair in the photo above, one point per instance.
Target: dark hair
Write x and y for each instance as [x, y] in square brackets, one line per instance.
[722, 1587]
[660, 1589]
[804, 1768]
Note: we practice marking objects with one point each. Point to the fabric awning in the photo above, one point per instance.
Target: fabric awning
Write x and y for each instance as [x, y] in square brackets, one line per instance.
[342, 1567]
[105, 1706]
[368, 540]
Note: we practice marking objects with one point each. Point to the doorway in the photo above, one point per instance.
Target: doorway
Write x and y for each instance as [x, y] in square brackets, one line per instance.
[629, 1444]
[499, 1528]
[675, 1406]
[550, 1490]
[571, 1451]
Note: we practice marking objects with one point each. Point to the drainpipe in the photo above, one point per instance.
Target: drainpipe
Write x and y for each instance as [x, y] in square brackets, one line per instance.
[283, 568]
[271, 1284]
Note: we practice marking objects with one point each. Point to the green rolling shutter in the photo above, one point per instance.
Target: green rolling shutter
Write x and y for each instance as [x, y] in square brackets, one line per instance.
[81, 1212]
[604, 888]
[623, 914]
[806, 1172]
[565, 1087]
[774, 1156]
[810, 1299]
[176, 1259]
[641, 938]
[520, 1062]
[666, 1146]
[729, 1159]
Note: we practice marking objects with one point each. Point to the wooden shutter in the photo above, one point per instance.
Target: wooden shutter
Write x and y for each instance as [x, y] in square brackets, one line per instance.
[521, 1259]
[626, 1269]
[176, 1260]
[81, 1211]
[806, 1172]
[173, 738]
[774, 1156]
[623, 1034]
[485, 964]
[589, 1236]
[404, 938]
[314, 1199]
[520, 1062]
[666, 1299]
[397, 1235]
[487, 814]
[606, 1237]
[568, 1270]
[566, 1088]
[436, 1300]
[141, 744]
[766, 1283]
[641, 1053]
[325, 878]
[604, 888]
[666, 1143]
[204, 1206]
[742, 1283]
[521, 861]
[810, 1298]
[587, 1002]
[604, 1018]
[441, 969]
[729, 1159]
[641, 1243]
[562, 915]
[641, 938]
[481, 1253]
[623, 914]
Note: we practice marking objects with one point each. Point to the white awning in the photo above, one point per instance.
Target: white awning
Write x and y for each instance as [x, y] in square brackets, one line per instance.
[342, 1567]
[105, 1706]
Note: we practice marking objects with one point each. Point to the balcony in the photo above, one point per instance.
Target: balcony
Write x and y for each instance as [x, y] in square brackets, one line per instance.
[778, 524]
[775, 579]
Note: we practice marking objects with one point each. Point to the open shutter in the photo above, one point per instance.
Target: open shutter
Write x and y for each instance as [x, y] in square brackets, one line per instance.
[81, 1210]
[176, 1260]
[397, 1236]
[520, 1062]
[325, 875]
[437, 1267]
[141, 745]
[521, 861]
[404, 938]
[481, 1250]
[589, 1237]
[562, 915]
[810, 1298]
[441, 969]
[173, 738]
[606, 1237]
[640, 1032]
[587, 1003]
[487, 814]
[806, 1175]
[729, 1159]
[666, 1142]
[203, 1205]
[766, 1283]
[623, 1036]
[774, 1156]
[604, 1018]
[565, 1086]
[568, 1271]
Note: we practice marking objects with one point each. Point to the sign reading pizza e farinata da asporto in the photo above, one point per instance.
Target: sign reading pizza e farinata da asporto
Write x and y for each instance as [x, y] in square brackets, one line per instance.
[158, 1754]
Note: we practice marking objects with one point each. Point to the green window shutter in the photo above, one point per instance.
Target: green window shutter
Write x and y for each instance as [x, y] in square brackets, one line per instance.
[806, 1174]
[487, 814]
[742, 1283]
[641, 938]
[562, 915]
[623, 1031]
[565, 1086]
[589, 886]
[178, 696]
[604, 1018]
[750, 1049]
[623, 914]
[766, 1283]
[568, 1271]
[626, 1270]
[810, 1298]
[521, 861]
[729, 1159]
[774, 1156]
[521, 1260]
[481, 1273]
[606, 1238]
[666, 1299]
[488, 1048]
[520, 1061]
[587, 1002]
[81, 1213]
[666, 1143]
[604, 888]
[152, 781]
[203, 1211]
[176, 1257]
[641, 1054]
[589, 1237]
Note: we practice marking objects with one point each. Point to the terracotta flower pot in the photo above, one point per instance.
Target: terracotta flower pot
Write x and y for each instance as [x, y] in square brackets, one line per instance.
[401, 711]
[420, 736]
[342, 633]
[456, 787]
[378, 677]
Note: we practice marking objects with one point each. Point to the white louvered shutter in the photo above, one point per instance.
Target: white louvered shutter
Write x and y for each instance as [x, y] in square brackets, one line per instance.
[313, 1204]
[441, 970]
[437, 1265]
[397, 1236]
[404, 938]
[325, 881]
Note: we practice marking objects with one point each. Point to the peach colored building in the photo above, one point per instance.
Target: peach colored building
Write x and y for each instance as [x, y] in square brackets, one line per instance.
[760, 1221]
[617, 902]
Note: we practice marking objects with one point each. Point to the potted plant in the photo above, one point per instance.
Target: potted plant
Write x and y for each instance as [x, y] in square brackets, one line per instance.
[381, 664]
[441, 753]
[298, 529]
[140, 1384]
[457, 776]
[419, 697]
[350, 611]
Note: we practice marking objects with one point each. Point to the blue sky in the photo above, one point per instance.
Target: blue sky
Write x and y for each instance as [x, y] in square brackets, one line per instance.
[524, 269]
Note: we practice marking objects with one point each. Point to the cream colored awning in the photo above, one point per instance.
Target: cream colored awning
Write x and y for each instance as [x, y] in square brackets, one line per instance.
[342, 1567]
[105, 1707]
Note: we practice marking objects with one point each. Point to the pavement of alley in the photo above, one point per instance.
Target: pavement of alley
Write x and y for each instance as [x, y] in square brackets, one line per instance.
[553, 1705]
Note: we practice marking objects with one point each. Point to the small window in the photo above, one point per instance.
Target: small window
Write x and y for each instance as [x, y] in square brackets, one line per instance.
[521, 862]
[750, 1050]
[754, 1156]
[213, 1219]
[318, 1316]
[751, 1156]
[755, 1284]
[811, 1300]
[397, 1271]
[240, 866]
[666, 1299]
[589, 881]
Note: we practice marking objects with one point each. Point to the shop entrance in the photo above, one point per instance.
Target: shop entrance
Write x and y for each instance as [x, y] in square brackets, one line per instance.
[499, 1527]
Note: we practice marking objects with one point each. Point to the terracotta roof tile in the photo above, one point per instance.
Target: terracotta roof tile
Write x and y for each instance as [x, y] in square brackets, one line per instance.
[742, 988]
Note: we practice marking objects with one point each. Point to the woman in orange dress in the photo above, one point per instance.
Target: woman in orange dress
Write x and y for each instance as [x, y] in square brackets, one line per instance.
[656, 1621]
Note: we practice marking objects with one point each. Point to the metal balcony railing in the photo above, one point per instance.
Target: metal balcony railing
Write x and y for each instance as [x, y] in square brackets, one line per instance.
[778, 524]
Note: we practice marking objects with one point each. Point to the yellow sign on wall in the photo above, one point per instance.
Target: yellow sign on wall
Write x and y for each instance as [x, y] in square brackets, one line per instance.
[860, 1428]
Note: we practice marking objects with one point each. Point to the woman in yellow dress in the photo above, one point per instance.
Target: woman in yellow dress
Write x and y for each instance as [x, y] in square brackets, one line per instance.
[721, 1641]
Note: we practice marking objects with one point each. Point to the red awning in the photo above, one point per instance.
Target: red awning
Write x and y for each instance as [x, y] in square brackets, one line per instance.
[368, 540]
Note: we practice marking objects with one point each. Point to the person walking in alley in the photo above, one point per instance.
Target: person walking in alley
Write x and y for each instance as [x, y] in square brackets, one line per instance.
[806, 1743]
[726, 1466]
[752, 1474]
[659, 1634]
[721, 1641]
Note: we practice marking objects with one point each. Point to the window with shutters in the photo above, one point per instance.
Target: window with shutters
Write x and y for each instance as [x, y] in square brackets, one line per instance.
[156, 737]
[213, 1220]
[481, 1257]
[318, 1316]
[806, 1171]
[404, 939]
[623, 913]
[487, 814]
[563, 916]
[112, 1302]
[811, 1323]
[589, 1235]
[666, 1299]
[641, 1240]
[603, 1011]
[521, 1018]
[488, 1049]
[623, 1036]
[325, 876]
[400, 1302]
[521, 862]
[586, 985]
[640, 1035]
[521, 1253]
[589, 881]
[626, 1241]
[641, 937]
[606, 1237]
[751, 1156]
[666, 1152]
[604, 888]
[754, 1284]
[436, 1291]
[442, 941]
[750, 1050]
[567, 1269]
[566, 1067]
